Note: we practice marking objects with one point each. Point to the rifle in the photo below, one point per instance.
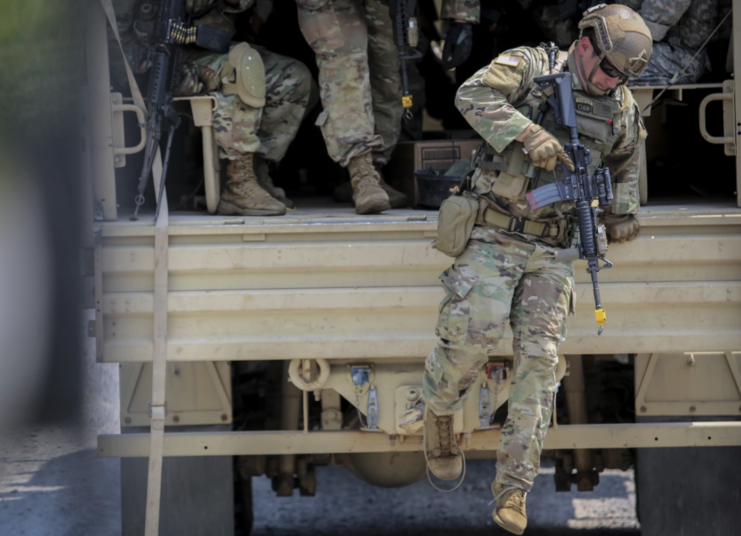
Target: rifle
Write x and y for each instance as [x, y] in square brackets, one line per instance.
[170, 32]
[587, 191]
[406, 37]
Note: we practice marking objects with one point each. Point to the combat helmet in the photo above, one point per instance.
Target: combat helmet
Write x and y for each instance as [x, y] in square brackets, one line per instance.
[621, 36]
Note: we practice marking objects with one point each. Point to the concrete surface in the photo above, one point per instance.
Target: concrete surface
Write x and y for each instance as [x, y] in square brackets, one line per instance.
[344, 504]
[52, 484]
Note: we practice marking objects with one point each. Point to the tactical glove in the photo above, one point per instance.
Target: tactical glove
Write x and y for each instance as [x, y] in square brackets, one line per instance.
[189, 83]
[620, 227]
[544, 150]
[458, 44]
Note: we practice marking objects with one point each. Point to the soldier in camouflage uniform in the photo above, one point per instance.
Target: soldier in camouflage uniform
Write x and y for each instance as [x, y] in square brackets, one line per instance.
[678, 28]
[361, 89]
[508, 272]
[248, 135]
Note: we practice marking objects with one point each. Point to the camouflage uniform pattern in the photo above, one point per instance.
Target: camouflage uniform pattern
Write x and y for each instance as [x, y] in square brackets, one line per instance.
[467, 10]
[502, 277]
[511, 277]
[687, 23]
[500, 101]
[239, 128]
[358, 76]
[359, 79]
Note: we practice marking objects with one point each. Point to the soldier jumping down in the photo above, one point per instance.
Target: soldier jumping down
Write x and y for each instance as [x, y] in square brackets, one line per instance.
[512, 275]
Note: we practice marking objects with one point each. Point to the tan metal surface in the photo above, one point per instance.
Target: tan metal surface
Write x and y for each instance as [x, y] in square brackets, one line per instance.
[282, 442]
[357, 290]
[101, 114]
[645, 94]
[202, 108]
[726, 97]
[197, 393]
[699, 383]
[119, 139]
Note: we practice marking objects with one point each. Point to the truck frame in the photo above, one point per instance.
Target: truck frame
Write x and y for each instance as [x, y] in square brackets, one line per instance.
[330, 315]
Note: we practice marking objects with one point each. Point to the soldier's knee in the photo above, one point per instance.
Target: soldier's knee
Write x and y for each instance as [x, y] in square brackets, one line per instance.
[542, 348]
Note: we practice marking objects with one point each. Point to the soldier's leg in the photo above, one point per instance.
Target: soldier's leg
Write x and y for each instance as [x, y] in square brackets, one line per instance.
[338, 35]
[479, 289]
[385, 80]
[540, 307]
[385, 77]
[235, 128]
[289, 92]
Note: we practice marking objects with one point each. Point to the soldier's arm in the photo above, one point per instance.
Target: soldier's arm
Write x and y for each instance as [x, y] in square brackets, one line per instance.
[462, 10]
[624, 162]
[485, 99]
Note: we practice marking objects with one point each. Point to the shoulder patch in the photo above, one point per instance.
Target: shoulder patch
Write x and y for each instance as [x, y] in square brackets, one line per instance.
[509, 61]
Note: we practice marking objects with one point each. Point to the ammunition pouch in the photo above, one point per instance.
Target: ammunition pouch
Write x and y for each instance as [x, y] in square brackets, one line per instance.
[511, 165]
[244, 75]
[458, 214]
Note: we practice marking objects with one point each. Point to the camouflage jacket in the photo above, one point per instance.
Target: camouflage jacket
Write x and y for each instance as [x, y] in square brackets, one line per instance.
[468, 10]
[501, 100]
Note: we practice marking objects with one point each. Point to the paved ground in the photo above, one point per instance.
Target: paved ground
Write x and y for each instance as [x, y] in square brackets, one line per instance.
[51, 484]
[344, 503]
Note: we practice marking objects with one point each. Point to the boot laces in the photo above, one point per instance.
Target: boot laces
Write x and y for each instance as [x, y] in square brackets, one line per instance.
[515, 500]
[445, 440]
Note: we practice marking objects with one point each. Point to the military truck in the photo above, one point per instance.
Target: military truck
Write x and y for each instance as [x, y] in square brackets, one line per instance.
[253, 348]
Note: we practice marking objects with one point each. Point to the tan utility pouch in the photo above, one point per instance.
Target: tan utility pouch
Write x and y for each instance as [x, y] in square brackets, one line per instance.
[510, 181]
[249, 83]
[455, 223]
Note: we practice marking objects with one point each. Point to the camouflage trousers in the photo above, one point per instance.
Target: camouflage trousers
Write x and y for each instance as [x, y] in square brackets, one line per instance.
[502, 278]
[268, 131]
[359, 78]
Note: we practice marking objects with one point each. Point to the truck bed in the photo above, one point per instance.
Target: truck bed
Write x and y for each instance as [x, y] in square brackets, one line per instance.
[325, 282]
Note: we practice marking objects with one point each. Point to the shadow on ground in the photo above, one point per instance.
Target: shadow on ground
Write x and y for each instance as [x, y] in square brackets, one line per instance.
[67, 495]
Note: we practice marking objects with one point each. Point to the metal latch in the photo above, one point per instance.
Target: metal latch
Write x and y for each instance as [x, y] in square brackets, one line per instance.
[484, 406]
[361, 376]
[372, 408]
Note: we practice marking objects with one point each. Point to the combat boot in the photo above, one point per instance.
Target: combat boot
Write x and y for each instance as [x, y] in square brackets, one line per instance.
[396, 198]
[242, 195]
[343, 192]
[510, 513]
[367, 193]
[266, 182]
[442, 452]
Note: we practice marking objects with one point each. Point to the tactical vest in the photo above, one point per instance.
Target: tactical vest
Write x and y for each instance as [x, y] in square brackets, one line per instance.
[503, 176]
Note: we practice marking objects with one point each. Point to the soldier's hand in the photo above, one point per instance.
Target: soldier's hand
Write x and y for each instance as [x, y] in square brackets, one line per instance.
[620, 227]
[544, 149]
[190, 83]
[194, 6]
[458, 44]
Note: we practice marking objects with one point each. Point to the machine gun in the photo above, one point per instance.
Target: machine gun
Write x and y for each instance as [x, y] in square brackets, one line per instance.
[406, 38]
[171, 31]
[586, 191]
